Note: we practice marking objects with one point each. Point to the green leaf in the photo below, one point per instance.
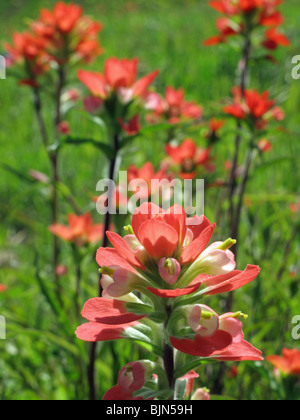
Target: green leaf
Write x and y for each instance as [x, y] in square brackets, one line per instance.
[141, 335]
[192, 364]
[154, 128]
[275, 162]
[53, 300]
[23, 177]
[104, 147]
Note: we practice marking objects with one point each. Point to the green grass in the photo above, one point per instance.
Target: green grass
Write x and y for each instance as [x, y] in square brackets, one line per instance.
[38, 358]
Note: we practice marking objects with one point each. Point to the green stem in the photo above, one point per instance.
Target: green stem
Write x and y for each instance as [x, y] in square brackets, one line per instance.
[168, 356]
[93, 349]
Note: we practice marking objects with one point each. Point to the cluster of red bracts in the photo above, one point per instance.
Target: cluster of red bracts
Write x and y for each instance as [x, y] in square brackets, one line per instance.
[253, 107]
[60, 36]
[119, 81]
[165, 257]
[244, 16]
[138, 380]
[173, 107]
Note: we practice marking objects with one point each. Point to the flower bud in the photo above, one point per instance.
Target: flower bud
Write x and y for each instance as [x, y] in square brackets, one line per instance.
[201, 394]
[134, 244]
[216, 260]
[264, 145]
[119, 283]
[202, 320]
[230, 323]
[63, 128]
[131, 240]
[169, 270]
[134, 375]
[39, 176]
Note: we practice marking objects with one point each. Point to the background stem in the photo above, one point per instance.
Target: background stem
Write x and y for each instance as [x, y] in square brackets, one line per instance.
[107, 223]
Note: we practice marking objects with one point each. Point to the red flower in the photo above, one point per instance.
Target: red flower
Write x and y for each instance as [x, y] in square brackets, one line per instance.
[61, 270]
[226, 28]
[227, 7]
[253, 106]
[26, 46]
[201, 394]
[29, 51]
[241, 14]
[2, 288]
[167, 237]
[190, 158]
[265, 145]
[221, 338]
[295, 207]
[133, 376]
[68, 33]
[131, 379]
[273, 39]
[216, 125]
[231, 8]
[80, 230]
[147, 174]
[64, 16]
[289, 363]
[132, 127]
[120, 77]
[269, 15]
[166, 249]
[248, 6]
[173, 107]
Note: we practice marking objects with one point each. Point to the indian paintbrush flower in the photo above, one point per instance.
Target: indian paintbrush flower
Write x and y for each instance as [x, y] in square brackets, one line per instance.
[81, 230]
[154, 279]
[120, 77]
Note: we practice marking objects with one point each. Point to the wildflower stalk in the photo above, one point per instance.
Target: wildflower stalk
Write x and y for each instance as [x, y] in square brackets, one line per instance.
[286, 253]
[54, 156]
[112, 169]
[242, 190]
[38, 110]
[235, 212]
[53, 159]
[232, 180]
[107, 223]
[168, 356]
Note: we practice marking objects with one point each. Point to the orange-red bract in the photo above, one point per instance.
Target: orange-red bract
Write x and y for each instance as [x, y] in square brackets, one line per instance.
[119, 76]
[288, 363]
[81, 230]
